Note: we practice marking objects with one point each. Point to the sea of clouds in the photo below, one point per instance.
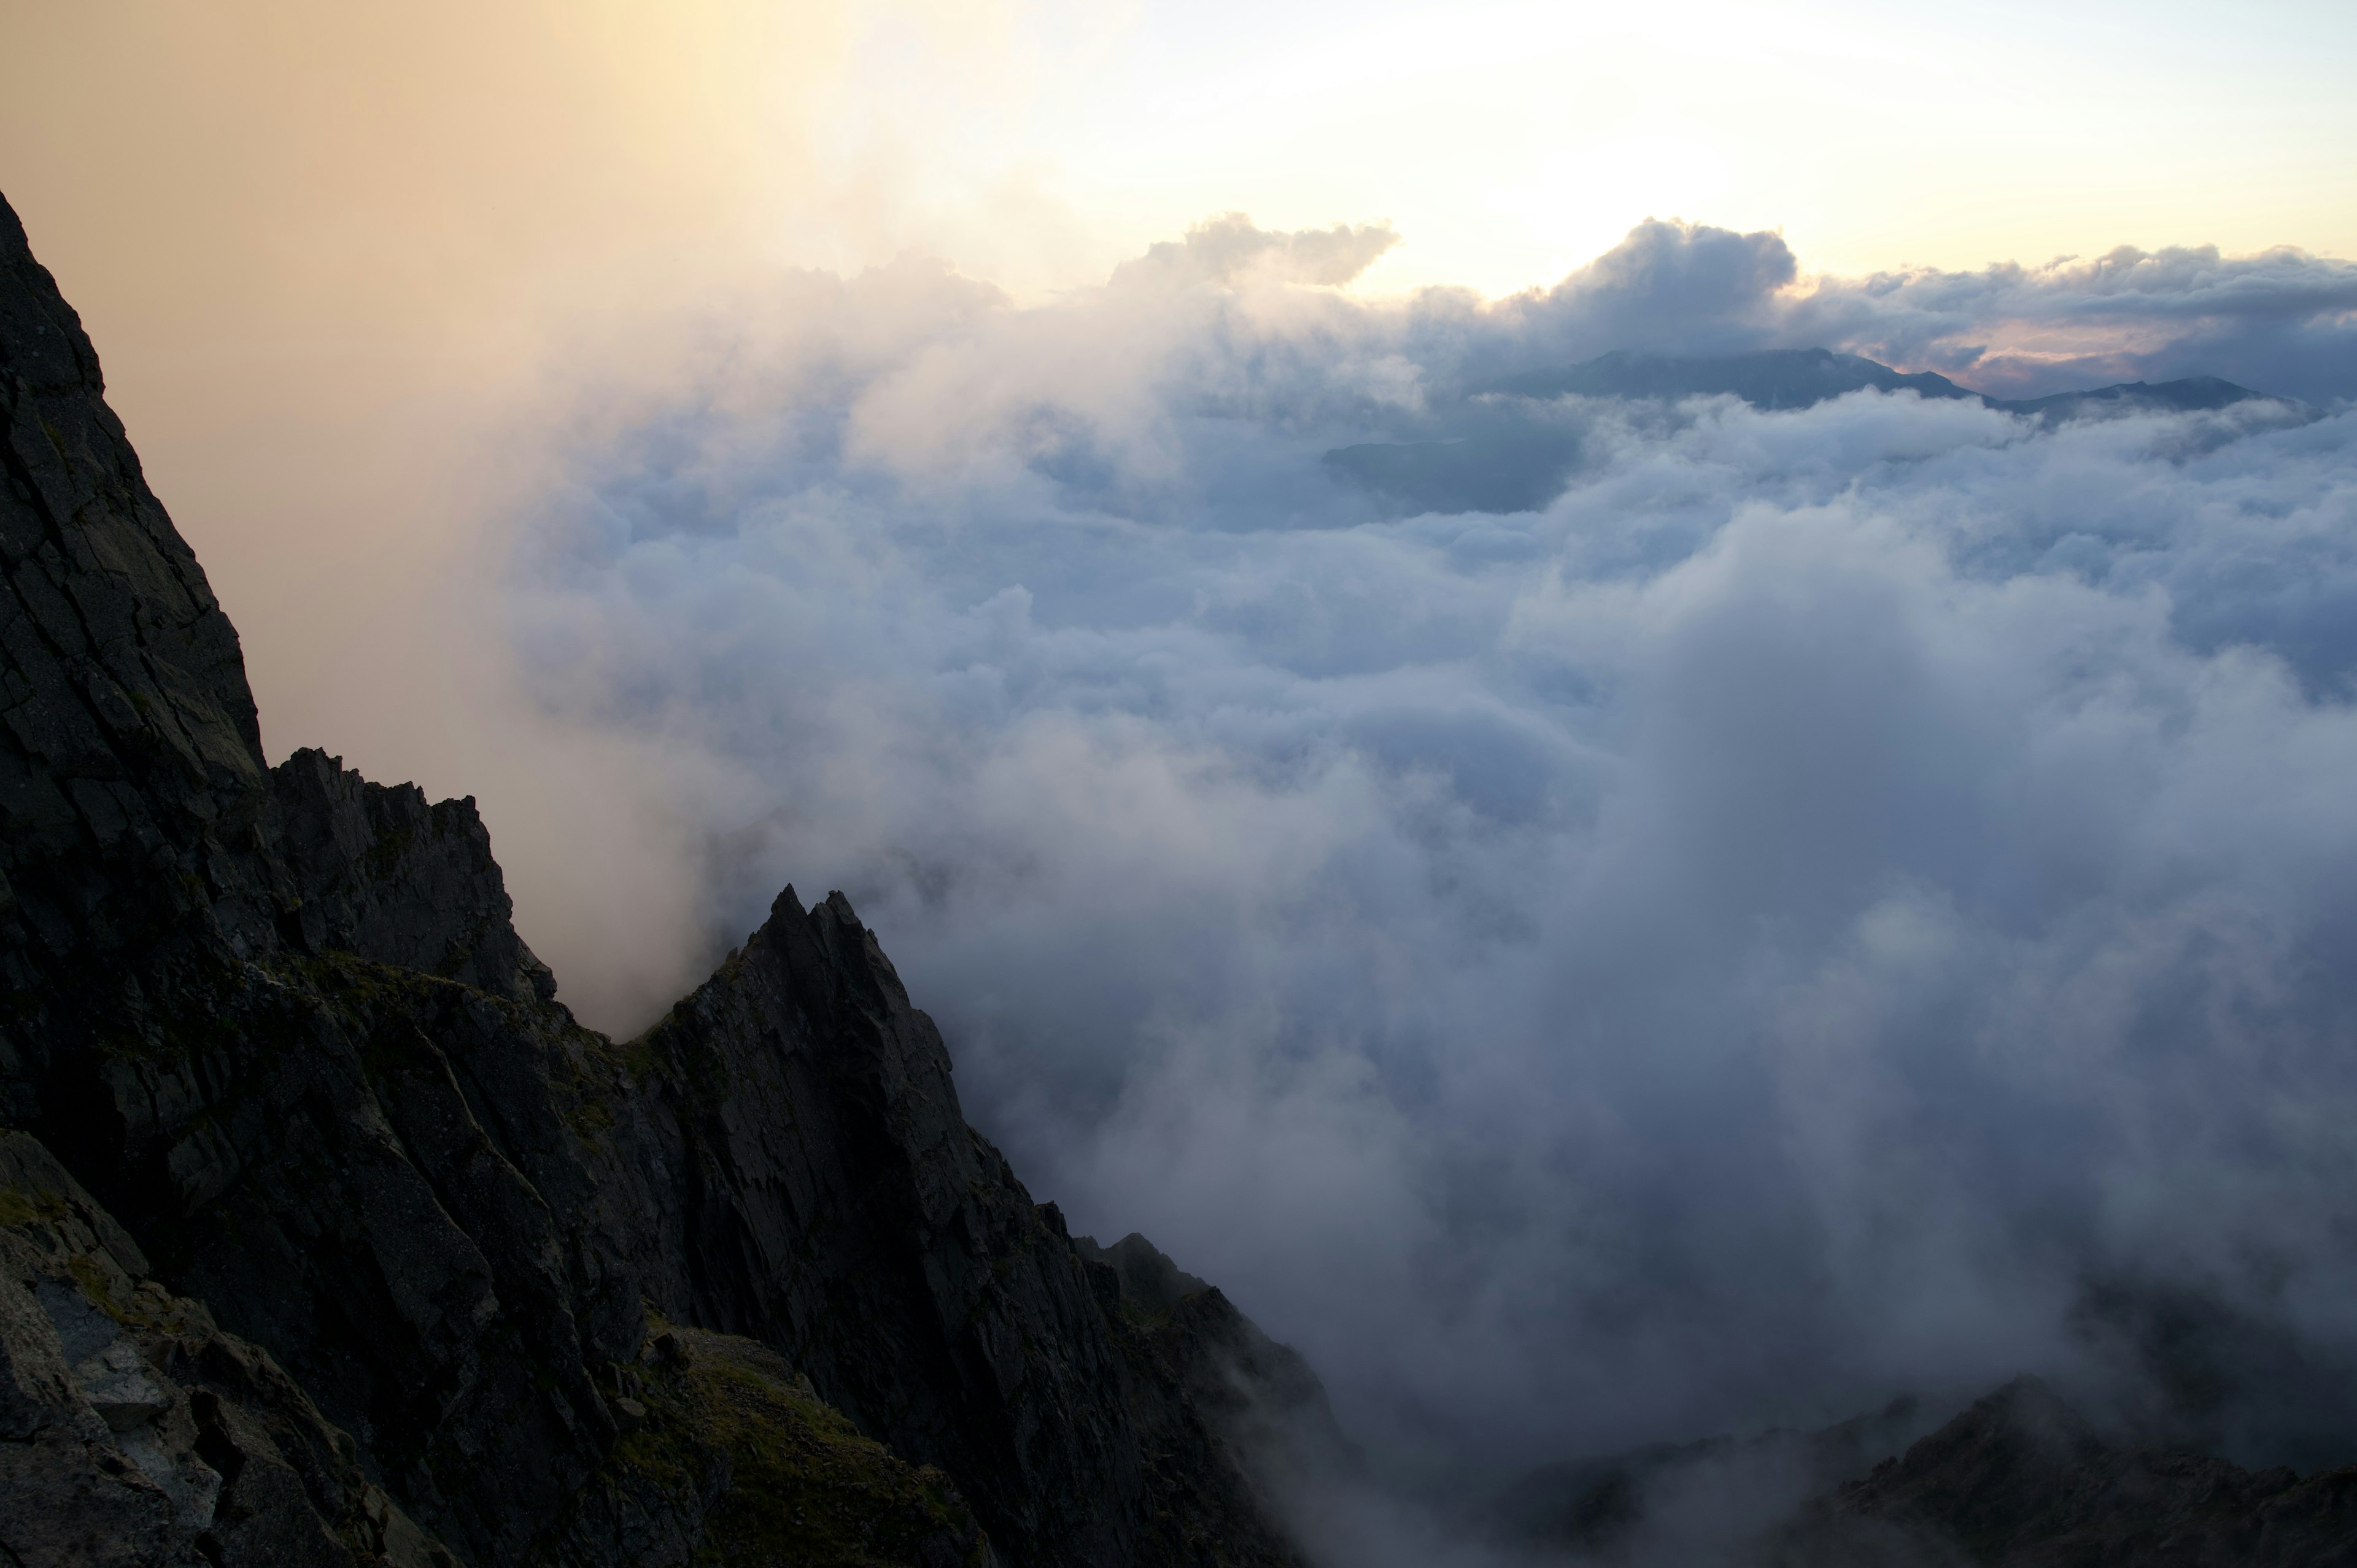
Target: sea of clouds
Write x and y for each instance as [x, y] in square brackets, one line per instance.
[1819, 904]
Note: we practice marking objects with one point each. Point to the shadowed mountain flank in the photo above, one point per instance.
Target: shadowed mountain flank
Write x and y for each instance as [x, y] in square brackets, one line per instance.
[334, 1238]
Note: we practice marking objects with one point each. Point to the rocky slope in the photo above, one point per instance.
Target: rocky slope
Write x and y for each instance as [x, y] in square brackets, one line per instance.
[397, 1261]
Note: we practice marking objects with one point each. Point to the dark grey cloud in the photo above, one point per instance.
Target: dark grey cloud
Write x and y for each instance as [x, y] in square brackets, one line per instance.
[1797, 905]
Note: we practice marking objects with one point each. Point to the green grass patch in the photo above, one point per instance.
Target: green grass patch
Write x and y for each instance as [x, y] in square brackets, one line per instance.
[804, 1486]
[19, 1207]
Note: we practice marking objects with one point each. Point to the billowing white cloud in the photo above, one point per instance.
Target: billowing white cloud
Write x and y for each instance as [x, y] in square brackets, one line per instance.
[1821, 902]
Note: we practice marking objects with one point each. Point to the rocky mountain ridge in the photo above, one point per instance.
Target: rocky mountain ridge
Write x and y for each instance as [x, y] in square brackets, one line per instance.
[335, 1238]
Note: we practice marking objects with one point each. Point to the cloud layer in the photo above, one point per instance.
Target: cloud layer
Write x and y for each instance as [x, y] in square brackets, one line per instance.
[1819, 903]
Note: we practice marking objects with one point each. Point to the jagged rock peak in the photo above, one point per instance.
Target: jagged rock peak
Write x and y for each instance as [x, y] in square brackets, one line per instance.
[381, 872]
[1149, 1280]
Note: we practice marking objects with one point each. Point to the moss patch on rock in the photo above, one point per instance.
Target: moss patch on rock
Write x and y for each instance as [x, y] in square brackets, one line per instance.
[789, 1478]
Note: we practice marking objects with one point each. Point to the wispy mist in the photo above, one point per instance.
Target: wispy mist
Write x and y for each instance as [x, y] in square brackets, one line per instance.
[1822, 903]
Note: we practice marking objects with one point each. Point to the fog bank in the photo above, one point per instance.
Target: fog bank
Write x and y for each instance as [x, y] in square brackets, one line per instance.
[1825, 902]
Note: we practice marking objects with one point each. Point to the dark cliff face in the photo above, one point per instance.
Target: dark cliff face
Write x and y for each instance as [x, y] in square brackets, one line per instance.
[132, 1430]
[434, 1250]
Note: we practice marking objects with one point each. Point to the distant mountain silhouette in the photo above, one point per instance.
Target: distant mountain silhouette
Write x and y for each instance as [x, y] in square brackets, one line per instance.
[2195, 393]
[1772, 378]
[1505, 449]
[1801, 378]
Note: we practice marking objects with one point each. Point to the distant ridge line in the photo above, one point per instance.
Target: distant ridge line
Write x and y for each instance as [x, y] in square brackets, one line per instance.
[1778, 379]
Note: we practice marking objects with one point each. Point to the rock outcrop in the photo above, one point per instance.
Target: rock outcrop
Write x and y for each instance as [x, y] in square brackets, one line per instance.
[380, 1255]
[132, 1430]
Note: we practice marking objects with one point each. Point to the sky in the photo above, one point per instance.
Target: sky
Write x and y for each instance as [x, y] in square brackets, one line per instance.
[1599, 920]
